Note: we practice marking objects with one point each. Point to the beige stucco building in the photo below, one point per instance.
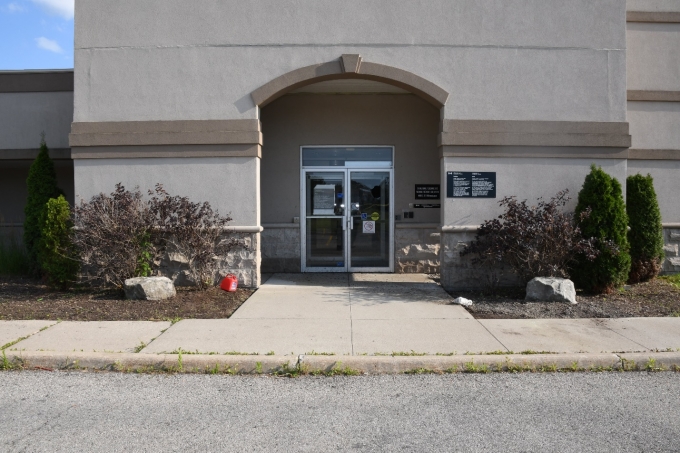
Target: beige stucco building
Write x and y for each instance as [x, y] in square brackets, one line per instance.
[357, 135]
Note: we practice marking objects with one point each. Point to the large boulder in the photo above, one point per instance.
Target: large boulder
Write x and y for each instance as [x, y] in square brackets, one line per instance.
[551, 289]
[149, 288]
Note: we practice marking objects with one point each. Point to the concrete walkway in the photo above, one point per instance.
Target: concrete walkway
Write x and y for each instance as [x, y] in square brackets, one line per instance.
[347, 314]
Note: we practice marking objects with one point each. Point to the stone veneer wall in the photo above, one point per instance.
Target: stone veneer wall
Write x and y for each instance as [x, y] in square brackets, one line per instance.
[459, 273]
[416, 248]
[281, 248]
[243, 261]
[671, 239]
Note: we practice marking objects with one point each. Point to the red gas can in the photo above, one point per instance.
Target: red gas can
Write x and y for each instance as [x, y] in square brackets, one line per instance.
[229, 283]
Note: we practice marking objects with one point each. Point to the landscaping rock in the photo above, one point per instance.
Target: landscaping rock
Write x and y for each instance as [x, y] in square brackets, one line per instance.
[149, 288]
[551, 289]
[463, 301]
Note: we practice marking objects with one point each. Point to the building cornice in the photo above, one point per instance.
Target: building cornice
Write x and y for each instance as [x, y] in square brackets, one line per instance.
[36, 81]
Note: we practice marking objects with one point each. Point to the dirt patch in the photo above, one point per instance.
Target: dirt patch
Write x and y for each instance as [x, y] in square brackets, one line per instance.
[22, 298]
[657, 298]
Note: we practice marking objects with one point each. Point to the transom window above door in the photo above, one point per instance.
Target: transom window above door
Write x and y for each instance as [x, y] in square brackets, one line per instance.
[349, 157]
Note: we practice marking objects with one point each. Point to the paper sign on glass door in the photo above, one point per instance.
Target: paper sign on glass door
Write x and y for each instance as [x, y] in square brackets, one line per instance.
[369, 227]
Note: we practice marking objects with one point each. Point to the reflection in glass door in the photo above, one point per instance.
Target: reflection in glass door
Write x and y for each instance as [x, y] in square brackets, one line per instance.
[325, 221]
[370, 222]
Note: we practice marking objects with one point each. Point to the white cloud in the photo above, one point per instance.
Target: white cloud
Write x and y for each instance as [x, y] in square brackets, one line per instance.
[63, 8]
[15, 8]
[49, 44]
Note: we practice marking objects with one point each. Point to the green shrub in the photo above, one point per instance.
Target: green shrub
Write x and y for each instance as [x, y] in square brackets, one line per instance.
[608, 224]
[41, 185]
[646, 232]
[57, 256]
[13, 257]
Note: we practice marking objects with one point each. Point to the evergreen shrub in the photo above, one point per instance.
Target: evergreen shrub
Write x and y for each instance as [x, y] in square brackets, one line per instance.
[646, 232]
[56, 253]
[41, 185]
[608, 224]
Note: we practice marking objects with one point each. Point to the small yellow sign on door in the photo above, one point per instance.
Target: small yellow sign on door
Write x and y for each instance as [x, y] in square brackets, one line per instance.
[375, 216]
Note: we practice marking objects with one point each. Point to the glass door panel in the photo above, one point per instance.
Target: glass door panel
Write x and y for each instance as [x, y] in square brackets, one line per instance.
[371, 220]
[325, 221]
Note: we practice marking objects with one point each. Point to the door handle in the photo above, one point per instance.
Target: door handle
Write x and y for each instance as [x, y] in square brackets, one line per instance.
[351, 222]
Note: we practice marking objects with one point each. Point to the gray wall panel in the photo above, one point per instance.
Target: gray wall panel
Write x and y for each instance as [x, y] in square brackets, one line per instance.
[215, 82]
[23, 116]
[230, 184]
[654, 125]
[525, 178]
[653, 5]
[542, 23]
[499, 59]
[13, 192]
[653, 56]
[666, 184]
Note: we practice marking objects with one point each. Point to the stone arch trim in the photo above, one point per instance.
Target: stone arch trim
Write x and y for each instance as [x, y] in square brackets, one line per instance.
[350, 67]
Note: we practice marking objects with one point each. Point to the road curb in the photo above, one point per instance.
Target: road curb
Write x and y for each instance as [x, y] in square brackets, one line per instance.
[461, 363]
[656, 361]
[333, 365]
[135, 362]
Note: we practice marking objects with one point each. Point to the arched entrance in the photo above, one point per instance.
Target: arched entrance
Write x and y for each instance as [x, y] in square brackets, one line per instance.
[344, 118]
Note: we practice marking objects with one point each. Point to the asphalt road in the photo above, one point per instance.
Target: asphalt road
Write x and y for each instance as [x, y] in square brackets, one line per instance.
[44, 411]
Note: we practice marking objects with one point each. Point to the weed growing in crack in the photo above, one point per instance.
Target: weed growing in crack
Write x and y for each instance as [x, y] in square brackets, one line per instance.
[4, 364]
[139, 347]
[651, 365]
[421, 371]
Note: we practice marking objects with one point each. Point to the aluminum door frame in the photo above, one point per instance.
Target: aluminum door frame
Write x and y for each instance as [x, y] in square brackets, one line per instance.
[348, 231]
[303, 220]
[347, 218]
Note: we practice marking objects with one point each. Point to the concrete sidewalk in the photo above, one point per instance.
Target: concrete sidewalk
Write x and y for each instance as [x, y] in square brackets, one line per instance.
[346, 315]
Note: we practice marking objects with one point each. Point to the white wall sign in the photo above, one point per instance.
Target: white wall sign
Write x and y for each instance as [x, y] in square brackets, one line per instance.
[369, 227]
[324, 199]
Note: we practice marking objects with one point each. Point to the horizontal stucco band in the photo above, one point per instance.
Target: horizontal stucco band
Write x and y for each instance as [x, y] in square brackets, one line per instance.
[654, 154]
[164, 151]
[653, 16]
[349, 67]
[244, 229]
[30, 154]
[153, 133]
[278, 226]
[652, 95]
[534, 133]
[35, 81]
[557, 152]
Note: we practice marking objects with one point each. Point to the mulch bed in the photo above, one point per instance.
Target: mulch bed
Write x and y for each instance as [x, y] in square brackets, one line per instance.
[656, 298]
[22, 298]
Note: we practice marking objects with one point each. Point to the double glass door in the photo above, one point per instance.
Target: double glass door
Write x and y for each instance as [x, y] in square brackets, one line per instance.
[347, 220]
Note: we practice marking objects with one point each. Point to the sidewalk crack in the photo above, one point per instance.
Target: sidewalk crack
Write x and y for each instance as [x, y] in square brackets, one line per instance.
[494, 336]
[602, 323]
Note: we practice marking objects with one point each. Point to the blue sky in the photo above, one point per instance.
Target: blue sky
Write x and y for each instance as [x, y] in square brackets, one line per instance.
[36, 34]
